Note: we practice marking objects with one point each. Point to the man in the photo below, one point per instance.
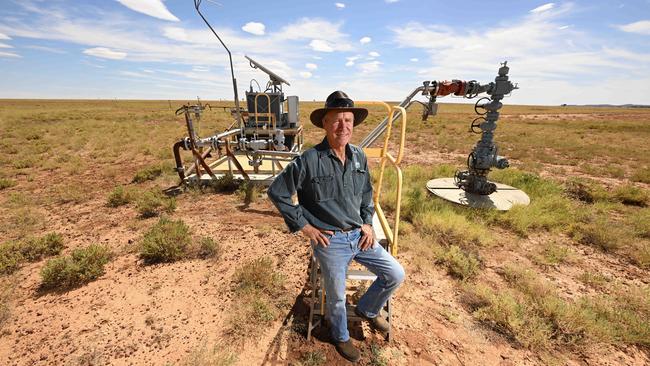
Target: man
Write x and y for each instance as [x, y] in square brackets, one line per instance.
[334, 212]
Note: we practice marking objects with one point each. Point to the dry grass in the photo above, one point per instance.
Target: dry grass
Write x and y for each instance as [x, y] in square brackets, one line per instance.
[259, 287]
[73, 153]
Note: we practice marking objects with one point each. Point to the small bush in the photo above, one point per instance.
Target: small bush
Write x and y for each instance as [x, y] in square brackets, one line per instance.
[153, 203]
[6, 183]
[216, 356]
[81, 266]
[642, 175]
[249, 192]
[585, 190]
[631, 195]
[547, 213]
[148, 173]
[640, 222]
[226, 183]
[259, 276]
[600, 234]
[640, 253]
[10, 258]
[252, 314]
[459, 263]
[312, 358]
[552, 254]
[36, 248]
[120, 196]
[14, 253]
[166, 241]
[208, 248]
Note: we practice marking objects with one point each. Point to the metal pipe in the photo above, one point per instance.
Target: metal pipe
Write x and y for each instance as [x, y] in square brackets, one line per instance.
[177, 157]
[374, 134]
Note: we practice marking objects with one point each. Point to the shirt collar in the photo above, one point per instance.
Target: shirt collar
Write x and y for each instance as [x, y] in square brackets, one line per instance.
[325, 149]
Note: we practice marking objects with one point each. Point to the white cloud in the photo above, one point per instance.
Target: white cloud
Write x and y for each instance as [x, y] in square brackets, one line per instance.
[391, 1]
[563, 27]
[46, 49]
[4, 45]
[254, 28]
[154, 8]
[104, 52]
[349, 63]
[373, 54]
[176, 33]
[543, 8]
[369, 67]
[305, 74]
[365, 40]
[339, 5]
[133, 74]
[8, 54]
[414, 59]
[4, 37]
[351, 60]
[200, 69]
[640, 27]
[311, 66]
[320, 46]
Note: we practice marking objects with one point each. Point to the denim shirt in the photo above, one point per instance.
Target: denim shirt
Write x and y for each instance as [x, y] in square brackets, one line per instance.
[331, 195]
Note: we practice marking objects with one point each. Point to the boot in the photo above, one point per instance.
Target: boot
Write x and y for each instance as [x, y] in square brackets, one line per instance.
[377, 323]
[348, 351]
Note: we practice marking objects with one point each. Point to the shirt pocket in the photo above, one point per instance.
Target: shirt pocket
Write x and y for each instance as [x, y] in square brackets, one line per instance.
[324, 188]
[359, 177]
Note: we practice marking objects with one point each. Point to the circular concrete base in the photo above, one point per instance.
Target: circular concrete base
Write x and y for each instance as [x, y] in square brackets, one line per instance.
[503, 199]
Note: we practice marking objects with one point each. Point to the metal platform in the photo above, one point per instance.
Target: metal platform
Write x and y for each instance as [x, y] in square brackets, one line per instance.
[265, 174]
[503, 199]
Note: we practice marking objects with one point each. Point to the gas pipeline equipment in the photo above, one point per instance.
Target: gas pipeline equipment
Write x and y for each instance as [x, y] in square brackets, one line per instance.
[469, 187]
[264, 137]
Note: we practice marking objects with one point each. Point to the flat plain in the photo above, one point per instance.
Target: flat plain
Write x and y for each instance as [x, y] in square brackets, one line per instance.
[98, 267]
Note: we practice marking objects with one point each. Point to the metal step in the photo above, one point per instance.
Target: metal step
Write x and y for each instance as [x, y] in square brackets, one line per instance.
[350, 312]
[361, 275]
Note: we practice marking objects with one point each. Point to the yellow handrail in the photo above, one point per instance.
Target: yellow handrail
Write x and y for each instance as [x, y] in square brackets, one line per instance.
[384, 155]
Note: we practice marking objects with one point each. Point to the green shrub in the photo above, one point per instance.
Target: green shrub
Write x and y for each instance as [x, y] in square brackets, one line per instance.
[546, 213]
[218, 355]
[459, 263]
[642, 175]
[34, 249]
[14, 253]
[631, 195]
[600, 234]
[148, 173]
[6, 183]
[153, 203]
[249, 192]
[10, 258]
[81, 266]
[585, 190]
[640, 222]
[552, 253]
[208, 248]
[166, 241]
[226, 183]
[259, 276]
[120, 196]
[312, 358]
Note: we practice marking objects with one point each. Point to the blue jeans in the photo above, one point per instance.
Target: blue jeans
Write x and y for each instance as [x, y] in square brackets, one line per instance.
[334, 261]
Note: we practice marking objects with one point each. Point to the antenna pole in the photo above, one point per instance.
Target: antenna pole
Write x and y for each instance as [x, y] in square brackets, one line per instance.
[197, 4]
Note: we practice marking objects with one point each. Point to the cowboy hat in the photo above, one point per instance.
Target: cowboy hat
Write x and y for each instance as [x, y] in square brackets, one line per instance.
[338, 101]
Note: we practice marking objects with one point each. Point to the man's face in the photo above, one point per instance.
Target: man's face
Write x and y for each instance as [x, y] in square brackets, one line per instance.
[338, 127]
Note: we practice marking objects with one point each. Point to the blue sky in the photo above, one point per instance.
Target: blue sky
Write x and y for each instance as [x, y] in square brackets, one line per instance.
[575, 52]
